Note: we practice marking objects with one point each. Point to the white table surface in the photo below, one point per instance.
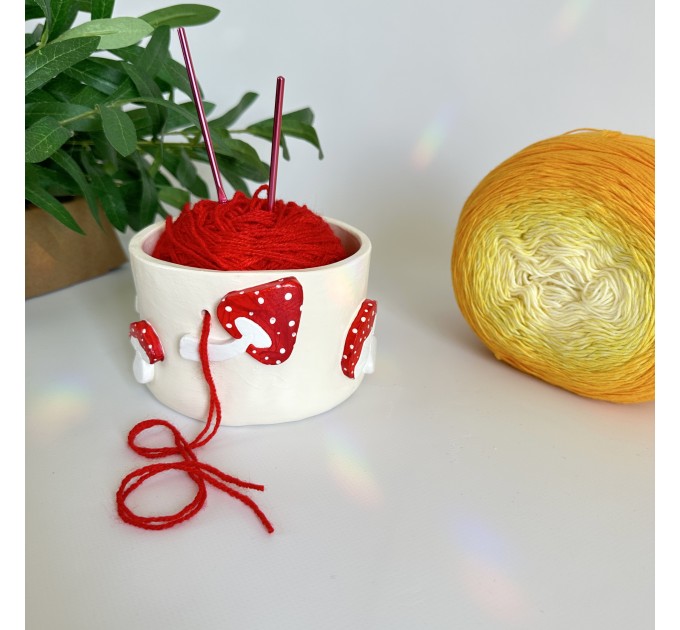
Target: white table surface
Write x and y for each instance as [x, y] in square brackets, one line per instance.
[450, 491]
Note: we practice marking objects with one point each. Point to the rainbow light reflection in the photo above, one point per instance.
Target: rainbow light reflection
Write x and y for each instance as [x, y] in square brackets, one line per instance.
[349, 469]
[432, 138]
[485, 573]
[568, 19]
[58, 407]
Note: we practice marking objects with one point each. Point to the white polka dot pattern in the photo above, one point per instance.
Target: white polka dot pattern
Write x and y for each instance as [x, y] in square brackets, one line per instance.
[359, 331]
[148, 340]
[275, 307]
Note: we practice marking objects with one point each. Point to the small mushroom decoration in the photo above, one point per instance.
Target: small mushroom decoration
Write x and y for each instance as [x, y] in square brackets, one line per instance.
[148, 350]
[358, 354]
[263, 320]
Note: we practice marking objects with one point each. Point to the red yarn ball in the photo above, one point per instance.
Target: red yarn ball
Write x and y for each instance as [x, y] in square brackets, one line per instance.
[244, 235]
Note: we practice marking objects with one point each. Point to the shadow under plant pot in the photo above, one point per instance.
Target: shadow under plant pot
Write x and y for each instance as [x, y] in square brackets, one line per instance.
[57, 257]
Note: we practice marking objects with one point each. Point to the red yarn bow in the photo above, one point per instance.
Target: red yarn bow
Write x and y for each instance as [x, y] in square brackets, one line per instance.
[199, 472]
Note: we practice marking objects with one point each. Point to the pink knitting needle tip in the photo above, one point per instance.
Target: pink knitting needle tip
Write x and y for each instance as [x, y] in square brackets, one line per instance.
[276, 142]
[221, 196]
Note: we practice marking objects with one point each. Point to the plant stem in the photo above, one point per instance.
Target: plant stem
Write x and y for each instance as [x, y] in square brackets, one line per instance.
[88, 114]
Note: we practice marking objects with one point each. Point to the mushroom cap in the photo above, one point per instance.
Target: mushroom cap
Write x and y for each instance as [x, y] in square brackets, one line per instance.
[146, 342]
[275, 308]
[359, 331]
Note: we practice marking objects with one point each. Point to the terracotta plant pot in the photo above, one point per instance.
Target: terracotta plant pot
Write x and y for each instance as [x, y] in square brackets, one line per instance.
[283, 345]
[57, 257]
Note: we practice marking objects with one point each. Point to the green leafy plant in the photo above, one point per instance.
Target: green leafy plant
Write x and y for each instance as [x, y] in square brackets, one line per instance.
[111, 118]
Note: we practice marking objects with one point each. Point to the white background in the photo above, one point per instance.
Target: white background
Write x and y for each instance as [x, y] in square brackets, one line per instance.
[450, 490]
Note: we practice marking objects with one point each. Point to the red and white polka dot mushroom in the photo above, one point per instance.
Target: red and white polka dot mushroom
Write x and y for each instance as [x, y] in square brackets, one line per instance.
[263, 321]
[358, 355]
[148, 350]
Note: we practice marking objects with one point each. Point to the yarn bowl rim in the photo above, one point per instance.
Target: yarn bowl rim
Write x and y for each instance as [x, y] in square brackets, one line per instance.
[353, 239]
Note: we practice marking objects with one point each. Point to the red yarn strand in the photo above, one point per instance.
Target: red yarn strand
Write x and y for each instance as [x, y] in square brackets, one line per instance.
[200, 473]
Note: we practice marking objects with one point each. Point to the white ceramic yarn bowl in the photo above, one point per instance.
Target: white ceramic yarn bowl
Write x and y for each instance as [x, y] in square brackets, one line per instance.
[172, 298]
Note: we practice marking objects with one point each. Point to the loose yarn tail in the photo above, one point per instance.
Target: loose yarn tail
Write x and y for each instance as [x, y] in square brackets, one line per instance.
[199, 472]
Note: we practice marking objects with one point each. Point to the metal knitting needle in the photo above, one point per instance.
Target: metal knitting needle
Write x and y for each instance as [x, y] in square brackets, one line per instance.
[276, 142]
[221, 195]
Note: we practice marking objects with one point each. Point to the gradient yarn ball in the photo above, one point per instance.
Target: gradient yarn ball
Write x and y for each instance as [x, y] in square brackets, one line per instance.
[553, 263]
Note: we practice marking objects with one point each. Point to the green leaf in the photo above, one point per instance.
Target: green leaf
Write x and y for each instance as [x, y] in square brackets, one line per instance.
[296, 124]
[47, 62]
[31, 39]
[114, 33]
[148, 202]
[155, 52]
[240, 151]
[188, 114]
[109, 195]
[175, 74]
[161, 180]
[124, 91]
[302, 115]
[230, 117]
[141, 120]
[42, 199]
[265, 130]
[148, 90]
[187, 175]
[182, 167]
[33, 11]
[88, 96]
[97, 74]
[43, 138]
[119, 130]
[101, 9]
[131, 191]
[63, 15]
[55, 109]
[169, 71]
[70, 166]
[234, 168]
[181, 15]
[303, 131]
[173, 196]
[40, 96]
[53, 181]
[45, 10]
[62, 88]
[70, 101]
[108, 159]
[235, 181]
[176, 121]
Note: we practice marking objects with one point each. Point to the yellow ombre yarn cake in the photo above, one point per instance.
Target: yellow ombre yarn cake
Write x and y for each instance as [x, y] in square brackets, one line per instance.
[553, 263]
